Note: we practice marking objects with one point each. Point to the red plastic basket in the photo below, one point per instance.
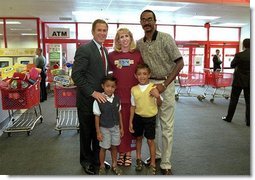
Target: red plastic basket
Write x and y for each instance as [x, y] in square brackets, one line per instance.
[65, 96]
[191, 79]
[21, 98]
[208, 76]
[220, 79]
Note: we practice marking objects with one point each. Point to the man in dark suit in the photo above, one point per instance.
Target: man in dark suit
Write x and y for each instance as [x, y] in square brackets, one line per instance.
[216, 61]
[241, 81]
[89, 68]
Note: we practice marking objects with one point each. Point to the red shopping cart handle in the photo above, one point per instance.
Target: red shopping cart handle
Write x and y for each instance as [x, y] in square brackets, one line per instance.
[183, 75]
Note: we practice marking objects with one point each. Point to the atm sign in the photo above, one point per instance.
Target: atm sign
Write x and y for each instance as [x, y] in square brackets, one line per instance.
[59, 33]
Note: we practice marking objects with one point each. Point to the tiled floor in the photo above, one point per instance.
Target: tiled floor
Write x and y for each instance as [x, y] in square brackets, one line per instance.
[203, 143]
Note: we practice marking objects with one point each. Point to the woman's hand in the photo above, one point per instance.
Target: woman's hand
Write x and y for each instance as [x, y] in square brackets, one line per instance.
[131, 128]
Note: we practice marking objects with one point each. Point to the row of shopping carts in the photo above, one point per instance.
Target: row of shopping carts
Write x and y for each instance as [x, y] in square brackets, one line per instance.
[24, 108]
[210, 81]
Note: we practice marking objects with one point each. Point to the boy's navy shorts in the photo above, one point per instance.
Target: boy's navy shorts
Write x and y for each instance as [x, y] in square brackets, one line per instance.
[144, 126]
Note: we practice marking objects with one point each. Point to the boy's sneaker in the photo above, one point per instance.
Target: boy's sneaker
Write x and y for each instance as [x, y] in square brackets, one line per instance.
[139, 165]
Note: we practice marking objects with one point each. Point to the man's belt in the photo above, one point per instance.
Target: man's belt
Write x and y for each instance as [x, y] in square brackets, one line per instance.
[157, 78]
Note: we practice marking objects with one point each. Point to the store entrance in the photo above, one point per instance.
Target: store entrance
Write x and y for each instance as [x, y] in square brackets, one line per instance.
[193, 57]
[226, 55]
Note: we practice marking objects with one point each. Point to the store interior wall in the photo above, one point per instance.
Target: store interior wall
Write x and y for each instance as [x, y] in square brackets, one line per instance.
[245, 33]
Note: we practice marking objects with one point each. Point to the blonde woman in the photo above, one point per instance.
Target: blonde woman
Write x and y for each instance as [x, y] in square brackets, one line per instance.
[123, 62]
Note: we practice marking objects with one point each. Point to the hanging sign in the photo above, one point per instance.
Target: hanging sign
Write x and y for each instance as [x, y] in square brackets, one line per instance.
[59, 33]
[17, 51]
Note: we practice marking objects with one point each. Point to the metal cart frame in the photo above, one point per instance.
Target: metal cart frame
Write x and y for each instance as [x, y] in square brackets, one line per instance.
[187, 81]
[217, 80]
[66, 111]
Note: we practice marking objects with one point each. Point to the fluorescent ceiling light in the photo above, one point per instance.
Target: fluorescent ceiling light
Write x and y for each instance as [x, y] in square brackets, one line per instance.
[78, 13]
[65, 18]
[89, 16]
[162, 8]
[11, 22]
[232, 24]
[28, 34]
[20, 29]
[1, 34]
[206, 17]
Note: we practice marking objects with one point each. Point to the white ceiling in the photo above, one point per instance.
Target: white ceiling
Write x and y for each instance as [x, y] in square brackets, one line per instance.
[123, 11]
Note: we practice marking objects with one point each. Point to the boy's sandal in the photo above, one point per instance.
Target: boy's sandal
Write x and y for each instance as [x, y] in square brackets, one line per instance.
[128, 161]
[117, 170]
[139, 165]
[102, 171]
[121, 160]
[152, 170]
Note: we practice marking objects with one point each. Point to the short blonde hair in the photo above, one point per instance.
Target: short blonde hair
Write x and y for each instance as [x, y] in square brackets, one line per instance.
[117, 46]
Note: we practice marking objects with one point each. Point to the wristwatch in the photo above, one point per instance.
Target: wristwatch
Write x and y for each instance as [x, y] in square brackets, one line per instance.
[163, 84]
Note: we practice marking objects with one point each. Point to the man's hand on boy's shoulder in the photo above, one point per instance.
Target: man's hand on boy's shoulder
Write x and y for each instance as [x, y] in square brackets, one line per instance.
[99, 96]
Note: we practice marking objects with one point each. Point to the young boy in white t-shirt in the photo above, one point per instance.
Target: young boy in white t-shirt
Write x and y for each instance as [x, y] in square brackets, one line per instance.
[108, 122]
[145, 99]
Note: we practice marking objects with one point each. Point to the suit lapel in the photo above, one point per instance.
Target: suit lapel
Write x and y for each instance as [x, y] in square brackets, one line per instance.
[97, 54]
[95, 50]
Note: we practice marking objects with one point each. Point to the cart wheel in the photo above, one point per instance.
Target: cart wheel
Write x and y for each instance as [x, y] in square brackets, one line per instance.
[9, 134]
[41, 119]
[200, 98]
[226, 97]
[78, 131]
[59, 132]
[211, 100]
[28, 133]
[176, 97]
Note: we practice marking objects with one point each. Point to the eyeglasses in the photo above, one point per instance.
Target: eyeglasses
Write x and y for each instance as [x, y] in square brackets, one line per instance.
[149, 20]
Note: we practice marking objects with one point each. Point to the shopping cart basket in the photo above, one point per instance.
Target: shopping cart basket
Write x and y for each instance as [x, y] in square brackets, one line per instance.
[23, 106]
[217, 80]
[66, 111]
[188, 80]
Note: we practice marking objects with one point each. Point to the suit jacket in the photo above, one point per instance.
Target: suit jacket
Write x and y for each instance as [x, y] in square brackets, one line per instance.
[87, 74]
[241, 63]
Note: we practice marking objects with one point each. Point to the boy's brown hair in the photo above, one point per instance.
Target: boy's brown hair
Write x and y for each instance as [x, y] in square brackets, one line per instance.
[143, 66]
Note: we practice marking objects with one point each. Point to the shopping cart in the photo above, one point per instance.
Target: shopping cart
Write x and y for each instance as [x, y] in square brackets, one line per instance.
[188, 80]
[217, 80]
[66, 111]
[23, 106]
